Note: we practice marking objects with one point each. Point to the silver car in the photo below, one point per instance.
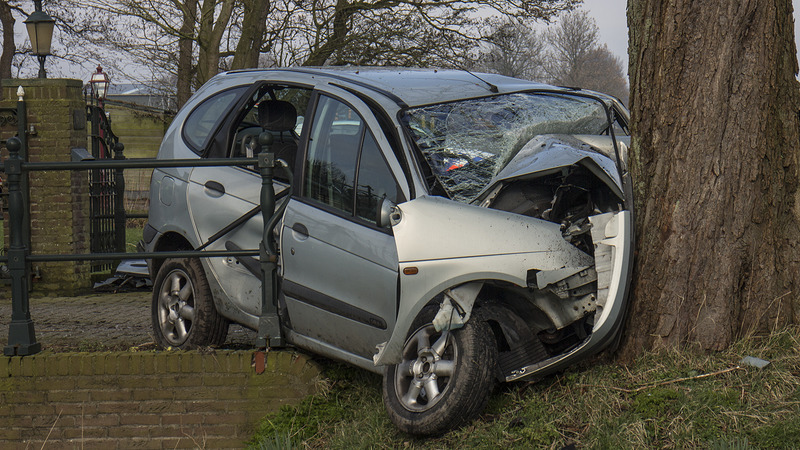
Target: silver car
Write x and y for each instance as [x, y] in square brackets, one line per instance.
[449, 230]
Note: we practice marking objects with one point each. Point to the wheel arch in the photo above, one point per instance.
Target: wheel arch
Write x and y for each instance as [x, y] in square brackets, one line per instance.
[499, 293]
[169, 241]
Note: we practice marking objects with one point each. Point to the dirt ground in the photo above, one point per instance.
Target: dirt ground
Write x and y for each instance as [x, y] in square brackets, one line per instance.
[97, 322]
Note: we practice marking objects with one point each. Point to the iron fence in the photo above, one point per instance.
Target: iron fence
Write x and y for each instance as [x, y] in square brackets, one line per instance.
[21, 335]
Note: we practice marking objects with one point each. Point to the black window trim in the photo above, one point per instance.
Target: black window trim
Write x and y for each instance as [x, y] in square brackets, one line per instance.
[202, 152]
[228, 135]
[299, 194]
[390, 132]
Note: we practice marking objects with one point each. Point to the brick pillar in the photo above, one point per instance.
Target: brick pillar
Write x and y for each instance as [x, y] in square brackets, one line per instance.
[59, 200]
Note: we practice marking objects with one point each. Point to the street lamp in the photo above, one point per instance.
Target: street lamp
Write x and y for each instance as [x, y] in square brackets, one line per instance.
[99, 82]
[40, 31]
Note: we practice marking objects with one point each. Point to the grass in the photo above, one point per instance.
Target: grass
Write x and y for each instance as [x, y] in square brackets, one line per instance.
[661, 401]
[132, 237]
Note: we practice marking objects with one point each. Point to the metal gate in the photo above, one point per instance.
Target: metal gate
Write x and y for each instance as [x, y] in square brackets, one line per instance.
[106, 188]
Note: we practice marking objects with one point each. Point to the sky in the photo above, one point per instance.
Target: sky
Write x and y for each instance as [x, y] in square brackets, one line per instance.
[610, 16]
[611, 19]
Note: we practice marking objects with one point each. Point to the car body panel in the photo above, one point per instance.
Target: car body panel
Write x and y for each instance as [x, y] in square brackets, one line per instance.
[546, 152]
[332, 264]
[212, 210]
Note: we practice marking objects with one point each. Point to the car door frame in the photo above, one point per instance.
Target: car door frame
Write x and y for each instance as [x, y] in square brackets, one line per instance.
[318, 343]
[242, 303]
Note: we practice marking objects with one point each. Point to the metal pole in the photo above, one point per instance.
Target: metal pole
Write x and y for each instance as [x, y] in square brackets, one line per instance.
[119, 203]
[95, 181]
[42, 72]
[22, 135]
[21, 334]
[269, 328]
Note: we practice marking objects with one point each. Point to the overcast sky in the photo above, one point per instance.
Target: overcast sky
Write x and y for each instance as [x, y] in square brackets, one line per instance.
[611, 19]
[613, 24]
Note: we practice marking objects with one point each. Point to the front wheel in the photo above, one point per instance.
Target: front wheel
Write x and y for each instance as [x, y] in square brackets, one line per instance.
[444, 379]
[183, 310]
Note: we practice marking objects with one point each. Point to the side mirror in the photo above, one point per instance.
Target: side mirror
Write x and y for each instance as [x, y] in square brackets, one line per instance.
[388, 214]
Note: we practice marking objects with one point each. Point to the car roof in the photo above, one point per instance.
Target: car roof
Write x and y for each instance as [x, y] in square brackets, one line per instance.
[410, 86]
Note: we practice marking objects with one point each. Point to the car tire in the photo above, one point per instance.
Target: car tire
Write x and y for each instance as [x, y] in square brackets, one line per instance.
[183, 311]
[464, 382]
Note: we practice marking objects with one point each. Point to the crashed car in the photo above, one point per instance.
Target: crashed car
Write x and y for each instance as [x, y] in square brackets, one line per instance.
[446, 229]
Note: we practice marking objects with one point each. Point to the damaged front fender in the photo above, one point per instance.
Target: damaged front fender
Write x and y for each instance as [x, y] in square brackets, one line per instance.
[452, 244]
[457, 306]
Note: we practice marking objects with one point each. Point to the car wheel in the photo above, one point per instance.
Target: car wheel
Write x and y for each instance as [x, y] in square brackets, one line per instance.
[444, 379]
[183, 310]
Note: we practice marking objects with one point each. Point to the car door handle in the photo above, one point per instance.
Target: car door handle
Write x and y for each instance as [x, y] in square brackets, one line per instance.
[300, 231]
[215, 186]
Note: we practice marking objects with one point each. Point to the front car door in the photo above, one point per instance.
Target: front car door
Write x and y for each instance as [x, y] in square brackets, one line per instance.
[340, 271]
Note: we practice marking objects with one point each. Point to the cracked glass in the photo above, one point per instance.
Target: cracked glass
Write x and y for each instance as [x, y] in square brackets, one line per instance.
[466, 143]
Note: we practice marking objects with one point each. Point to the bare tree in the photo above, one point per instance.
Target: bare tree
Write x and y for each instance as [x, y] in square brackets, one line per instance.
[571, 41]
[191, 40]
[567, 54]
[514, 49]
[714, 104]
[9, 46]
[603, 72]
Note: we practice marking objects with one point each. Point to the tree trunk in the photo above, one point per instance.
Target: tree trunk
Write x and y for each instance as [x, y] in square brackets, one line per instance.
[330, 44]
[209, 37]
[715, 166]
[9, 47]
[254, 25]
[185, 52]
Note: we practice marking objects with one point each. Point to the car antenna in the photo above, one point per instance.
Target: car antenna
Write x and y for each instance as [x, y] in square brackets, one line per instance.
[492, 88]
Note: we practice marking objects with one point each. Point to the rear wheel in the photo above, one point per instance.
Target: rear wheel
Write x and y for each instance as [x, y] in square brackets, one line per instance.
[183, 310]
[444, 379]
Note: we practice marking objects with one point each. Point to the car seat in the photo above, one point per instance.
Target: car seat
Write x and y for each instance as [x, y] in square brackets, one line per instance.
[279, 118]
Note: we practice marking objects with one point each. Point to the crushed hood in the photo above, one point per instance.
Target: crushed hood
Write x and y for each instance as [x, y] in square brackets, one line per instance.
[549, 152]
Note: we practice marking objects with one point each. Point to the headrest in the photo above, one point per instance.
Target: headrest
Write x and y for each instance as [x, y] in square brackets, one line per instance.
[277, 115]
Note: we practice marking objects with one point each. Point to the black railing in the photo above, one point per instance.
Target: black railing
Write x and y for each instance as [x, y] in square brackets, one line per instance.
[106, 187]
[21, 334]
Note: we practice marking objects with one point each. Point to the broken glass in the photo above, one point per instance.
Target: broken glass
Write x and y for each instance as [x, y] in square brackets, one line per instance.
[466, 143]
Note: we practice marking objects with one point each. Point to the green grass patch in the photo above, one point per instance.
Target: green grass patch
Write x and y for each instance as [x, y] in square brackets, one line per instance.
[132, 238]
[663, 400]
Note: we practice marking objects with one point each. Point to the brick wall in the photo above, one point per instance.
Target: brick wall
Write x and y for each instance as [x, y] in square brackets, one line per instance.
[145, 399]
[58, 199]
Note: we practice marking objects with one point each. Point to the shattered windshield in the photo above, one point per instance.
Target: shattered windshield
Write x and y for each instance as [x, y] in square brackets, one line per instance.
[466, 143]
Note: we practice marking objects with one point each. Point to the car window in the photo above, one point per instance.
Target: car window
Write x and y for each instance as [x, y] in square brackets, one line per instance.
[203, 120]
[283, 108]
[620, 127]
[343, 153]
[332, 154]
[375, 181]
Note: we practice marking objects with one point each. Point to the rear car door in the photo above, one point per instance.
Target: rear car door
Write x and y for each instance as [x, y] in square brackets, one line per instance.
[217, 196]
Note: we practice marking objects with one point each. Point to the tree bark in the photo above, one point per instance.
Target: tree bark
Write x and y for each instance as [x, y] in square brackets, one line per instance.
[9, 47]
[185, 69]
[209, 37]
[254, 25]
[714, 109]
[341, 27]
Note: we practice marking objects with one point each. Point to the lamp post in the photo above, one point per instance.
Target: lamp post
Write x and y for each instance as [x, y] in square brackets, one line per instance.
[99, 83]
[40, 31]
